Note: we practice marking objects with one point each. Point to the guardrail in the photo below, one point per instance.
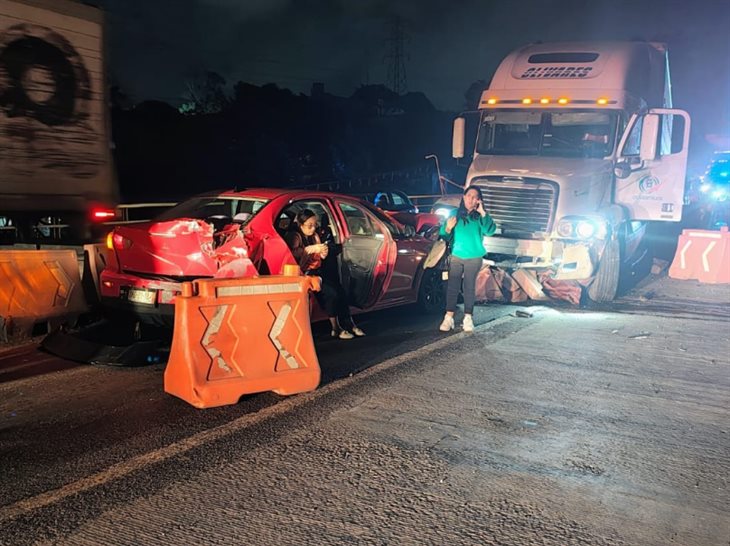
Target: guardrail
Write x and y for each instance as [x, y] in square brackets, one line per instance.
[429, 200]
[126, 212]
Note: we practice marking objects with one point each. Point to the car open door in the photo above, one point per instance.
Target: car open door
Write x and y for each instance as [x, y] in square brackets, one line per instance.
[368, 253]
[651, 167]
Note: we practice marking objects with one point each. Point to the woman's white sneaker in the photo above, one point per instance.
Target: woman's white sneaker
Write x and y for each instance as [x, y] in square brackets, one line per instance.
[468, 324]
[447, 324]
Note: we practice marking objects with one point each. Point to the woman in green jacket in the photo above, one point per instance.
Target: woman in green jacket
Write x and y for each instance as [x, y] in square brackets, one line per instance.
[465, 229]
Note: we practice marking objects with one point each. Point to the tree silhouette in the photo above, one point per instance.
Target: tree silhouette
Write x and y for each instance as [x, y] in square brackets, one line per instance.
[205, 94]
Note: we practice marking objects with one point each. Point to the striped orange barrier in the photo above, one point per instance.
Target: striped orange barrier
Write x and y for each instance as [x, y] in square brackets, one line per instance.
[39, 286]
[241, 336]
[703, 255]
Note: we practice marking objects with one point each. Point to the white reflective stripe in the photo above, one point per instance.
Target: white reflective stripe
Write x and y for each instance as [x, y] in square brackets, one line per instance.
[682, 260]
[705, 263]
[704, 234]
[257, 289]
[213, 327]
[276, 329]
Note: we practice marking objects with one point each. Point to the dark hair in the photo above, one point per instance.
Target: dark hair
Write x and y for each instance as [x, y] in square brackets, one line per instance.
[304, 215]
[462, 213]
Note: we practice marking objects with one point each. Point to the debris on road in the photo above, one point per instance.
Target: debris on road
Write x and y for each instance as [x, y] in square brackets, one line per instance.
[659, 266]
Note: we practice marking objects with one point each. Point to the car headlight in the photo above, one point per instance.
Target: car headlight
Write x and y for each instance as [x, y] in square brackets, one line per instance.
[704, 188]
[443, 212]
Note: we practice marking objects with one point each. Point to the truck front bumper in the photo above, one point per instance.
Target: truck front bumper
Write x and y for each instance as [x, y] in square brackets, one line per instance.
[570, 260]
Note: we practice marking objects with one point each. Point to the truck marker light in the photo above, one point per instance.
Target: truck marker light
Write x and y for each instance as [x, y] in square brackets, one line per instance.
[544, 100]
[602, 101]
[103, 214]
[110, 240]
[491, 101]
[563, 100]
[527, 101]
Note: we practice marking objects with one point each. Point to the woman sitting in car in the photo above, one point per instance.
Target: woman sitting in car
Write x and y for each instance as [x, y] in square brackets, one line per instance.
[310, 252]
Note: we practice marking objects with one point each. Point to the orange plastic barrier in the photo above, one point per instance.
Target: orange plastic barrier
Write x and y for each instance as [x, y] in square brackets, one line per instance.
[240, 336]
[37, 285]
[703, 255]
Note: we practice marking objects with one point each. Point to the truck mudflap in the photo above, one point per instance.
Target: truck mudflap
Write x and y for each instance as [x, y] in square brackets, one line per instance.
[103, 343]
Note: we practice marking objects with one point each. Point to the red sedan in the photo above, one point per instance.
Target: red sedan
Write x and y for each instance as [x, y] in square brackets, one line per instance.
[240, 233]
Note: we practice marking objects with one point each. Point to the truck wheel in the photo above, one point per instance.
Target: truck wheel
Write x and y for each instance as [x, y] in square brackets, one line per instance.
[604, 287]
[432, 292]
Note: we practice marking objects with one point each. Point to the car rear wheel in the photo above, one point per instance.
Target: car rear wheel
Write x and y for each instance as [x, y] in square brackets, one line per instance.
[432, 292]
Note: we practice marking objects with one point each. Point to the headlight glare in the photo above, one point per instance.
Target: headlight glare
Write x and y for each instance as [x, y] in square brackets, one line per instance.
[585, 229]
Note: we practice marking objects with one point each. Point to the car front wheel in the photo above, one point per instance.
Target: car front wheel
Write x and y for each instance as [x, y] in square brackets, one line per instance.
[432, 292]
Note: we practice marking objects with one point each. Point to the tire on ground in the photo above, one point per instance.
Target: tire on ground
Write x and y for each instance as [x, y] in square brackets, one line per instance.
[604, 287]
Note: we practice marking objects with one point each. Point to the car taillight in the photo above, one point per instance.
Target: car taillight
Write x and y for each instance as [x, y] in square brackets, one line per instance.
[118, 241]
[100, 215]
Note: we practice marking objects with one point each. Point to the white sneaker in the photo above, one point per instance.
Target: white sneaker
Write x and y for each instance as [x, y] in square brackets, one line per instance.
[344, 334]
[468, 324]
[358, 332]
[447, 324]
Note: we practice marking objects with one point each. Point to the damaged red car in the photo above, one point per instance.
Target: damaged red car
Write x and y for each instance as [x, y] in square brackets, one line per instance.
[241, 233]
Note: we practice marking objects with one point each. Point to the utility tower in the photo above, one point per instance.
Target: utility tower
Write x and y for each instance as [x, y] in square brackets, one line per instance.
[396, 56]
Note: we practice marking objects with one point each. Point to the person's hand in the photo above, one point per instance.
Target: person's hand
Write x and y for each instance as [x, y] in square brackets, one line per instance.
[313, 249]
[480, 209]
[325, 250]
[450, 223]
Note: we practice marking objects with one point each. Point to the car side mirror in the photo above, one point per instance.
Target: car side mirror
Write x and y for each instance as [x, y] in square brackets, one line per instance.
[622, 170]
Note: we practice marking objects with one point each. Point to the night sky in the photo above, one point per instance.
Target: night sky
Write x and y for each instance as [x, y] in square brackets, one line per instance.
[158, 45]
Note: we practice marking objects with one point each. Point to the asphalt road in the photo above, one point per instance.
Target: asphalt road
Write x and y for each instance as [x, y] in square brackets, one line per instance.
[606, 425]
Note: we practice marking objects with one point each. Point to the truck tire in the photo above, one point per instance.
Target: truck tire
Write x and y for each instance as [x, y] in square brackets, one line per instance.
[432, 292]
[604, 287]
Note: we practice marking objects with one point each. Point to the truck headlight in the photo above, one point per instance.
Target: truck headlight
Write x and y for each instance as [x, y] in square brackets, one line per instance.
[581, 228]
[585, 229]
[565, 228]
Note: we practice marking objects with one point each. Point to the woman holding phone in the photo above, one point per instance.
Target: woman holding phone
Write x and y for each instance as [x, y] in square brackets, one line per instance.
[309, 252]
[465, 229]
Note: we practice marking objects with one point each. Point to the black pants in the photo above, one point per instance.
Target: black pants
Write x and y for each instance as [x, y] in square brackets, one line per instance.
[333, 300]
[467, 270]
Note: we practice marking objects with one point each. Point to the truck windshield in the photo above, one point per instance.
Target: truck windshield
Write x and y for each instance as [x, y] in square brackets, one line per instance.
[573, 133]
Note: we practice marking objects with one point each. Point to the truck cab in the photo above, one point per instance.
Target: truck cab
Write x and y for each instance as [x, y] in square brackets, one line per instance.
[577, 147]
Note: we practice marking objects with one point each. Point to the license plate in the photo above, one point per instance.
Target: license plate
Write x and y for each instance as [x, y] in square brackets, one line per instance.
[142, 296]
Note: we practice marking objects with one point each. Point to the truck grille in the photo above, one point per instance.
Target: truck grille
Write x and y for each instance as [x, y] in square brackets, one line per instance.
[521, 207]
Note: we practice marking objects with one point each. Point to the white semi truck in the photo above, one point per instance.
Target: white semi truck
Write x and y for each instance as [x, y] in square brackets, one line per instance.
[55, 160]
[577, 148]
